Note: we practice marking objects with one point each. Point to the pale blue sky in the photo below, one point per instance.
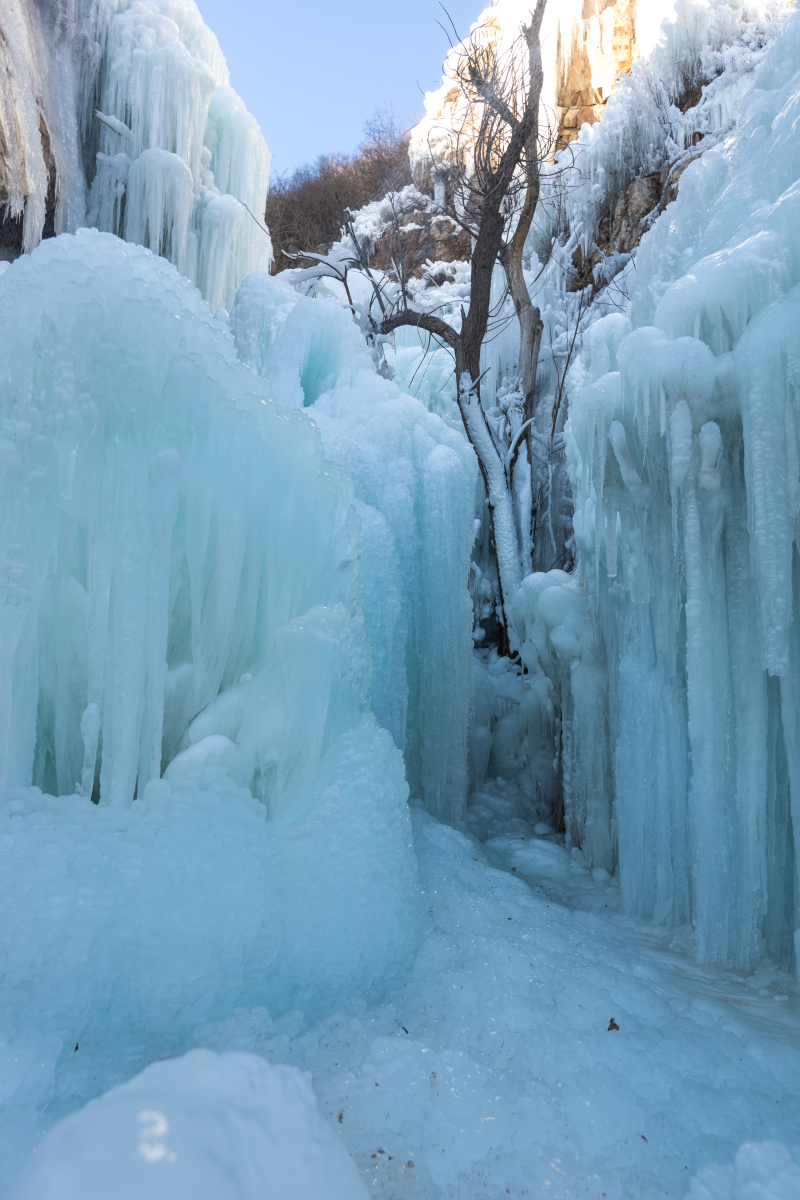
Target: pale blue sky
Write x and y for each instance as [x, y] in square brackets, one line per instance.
[313, 72]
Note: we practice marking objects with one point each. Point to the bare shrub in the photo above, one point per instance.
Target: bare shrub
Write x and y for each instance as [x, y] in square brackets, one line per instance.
[302, 209]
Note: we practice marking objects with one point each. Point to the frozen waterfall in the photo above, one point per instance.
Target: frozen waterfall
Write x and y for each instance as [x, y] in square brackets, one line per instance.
[679, 651]
[118, 114]
[180, 598]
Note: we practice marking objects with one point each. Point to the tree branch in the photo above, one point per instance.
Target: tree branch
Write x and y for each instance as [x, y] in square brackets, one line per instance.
[426, 321]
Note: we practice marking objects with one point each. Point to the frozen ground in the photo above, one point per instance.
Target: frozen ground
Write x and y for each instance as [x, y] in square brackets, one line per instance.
[495, 1065]
[493, 1070]
[184, 586]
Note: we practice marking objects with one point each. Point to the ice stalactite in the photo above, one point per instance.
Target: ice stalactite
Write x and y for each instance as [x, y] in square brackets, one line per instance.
[148, 522]
[183, 641]
[197, 174]
[129, 103]
[684, 461]
[414, 480]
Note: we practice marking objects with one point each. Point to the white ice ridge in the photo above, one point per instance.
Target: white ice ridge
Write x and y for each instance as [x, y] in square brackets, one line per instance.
[685, 464]
[147, 140]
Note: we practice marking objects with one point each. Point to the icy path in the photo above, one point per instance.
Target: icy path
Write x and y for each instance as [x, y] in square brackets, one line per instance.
[493, 1071]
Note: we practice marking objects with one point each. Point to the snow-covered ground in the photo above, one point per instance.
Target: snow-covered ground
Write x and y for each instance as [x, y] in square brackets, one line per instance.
[495, 1068]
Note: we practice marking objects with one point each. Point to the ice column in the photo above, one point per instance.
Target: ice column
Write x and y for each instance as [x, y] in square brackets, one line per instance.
[685, 462]
[415, 481]
[172, 543]
[119, 115]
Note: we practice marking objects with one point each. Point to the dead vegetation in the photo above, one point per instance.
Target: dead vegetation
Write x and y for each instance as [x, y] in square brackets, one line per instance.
[303, 211]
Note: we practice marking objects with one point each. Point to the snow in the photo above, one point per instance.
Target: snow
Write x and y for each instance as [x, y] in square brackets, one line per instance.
[764, 1170]
[203, 1127]
[494, 1064]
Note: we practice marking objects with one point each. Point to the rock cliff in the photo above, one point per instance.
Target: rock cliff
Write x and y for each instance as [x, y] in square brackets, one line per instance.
[586, 45]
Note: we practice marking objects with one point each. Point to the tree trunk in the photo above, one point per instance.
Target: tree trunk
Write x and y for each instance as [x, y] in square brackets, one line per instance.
[529, 317]
[497, 178]
[498, 497]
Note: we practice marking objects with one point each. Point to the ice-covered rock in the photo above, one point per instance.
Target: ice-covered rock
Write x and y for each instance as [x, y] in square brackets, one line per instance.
[586, 45]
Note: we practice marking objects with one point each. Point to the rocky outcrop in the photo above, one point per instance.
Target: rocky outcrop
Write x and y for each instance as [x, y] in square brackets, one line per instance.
[636, 202]
[586, 46]
[48, 56]
[633, 213]
[422, 238]
[600, 45]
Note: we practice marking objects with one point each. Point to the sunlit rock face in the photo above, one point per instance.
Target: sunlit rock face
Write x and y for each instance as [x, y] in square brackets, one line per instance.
[591, 55]
[586, 45]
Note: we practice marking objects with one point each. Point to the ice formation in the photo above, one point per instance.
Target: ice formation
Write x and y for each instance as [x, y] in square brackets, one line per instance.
[415, 482]
[180, 597]
[684, 460]
[147, 553]
[203, 1127]
[118, 114]
[233, 572]
[670, 749]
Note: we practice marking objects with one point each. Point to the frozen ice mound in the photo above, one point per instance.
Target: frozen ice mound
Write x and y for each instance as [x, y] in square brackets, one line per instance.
[414, 480]
[180, 597]
[203, 1127]
[762, 1171]
[139, 923]
[534, 859]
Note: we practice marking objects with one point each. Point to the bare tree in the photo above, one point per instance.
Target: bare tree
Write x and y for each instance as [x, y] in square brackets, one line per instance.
[489, 159]
[493, 183]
